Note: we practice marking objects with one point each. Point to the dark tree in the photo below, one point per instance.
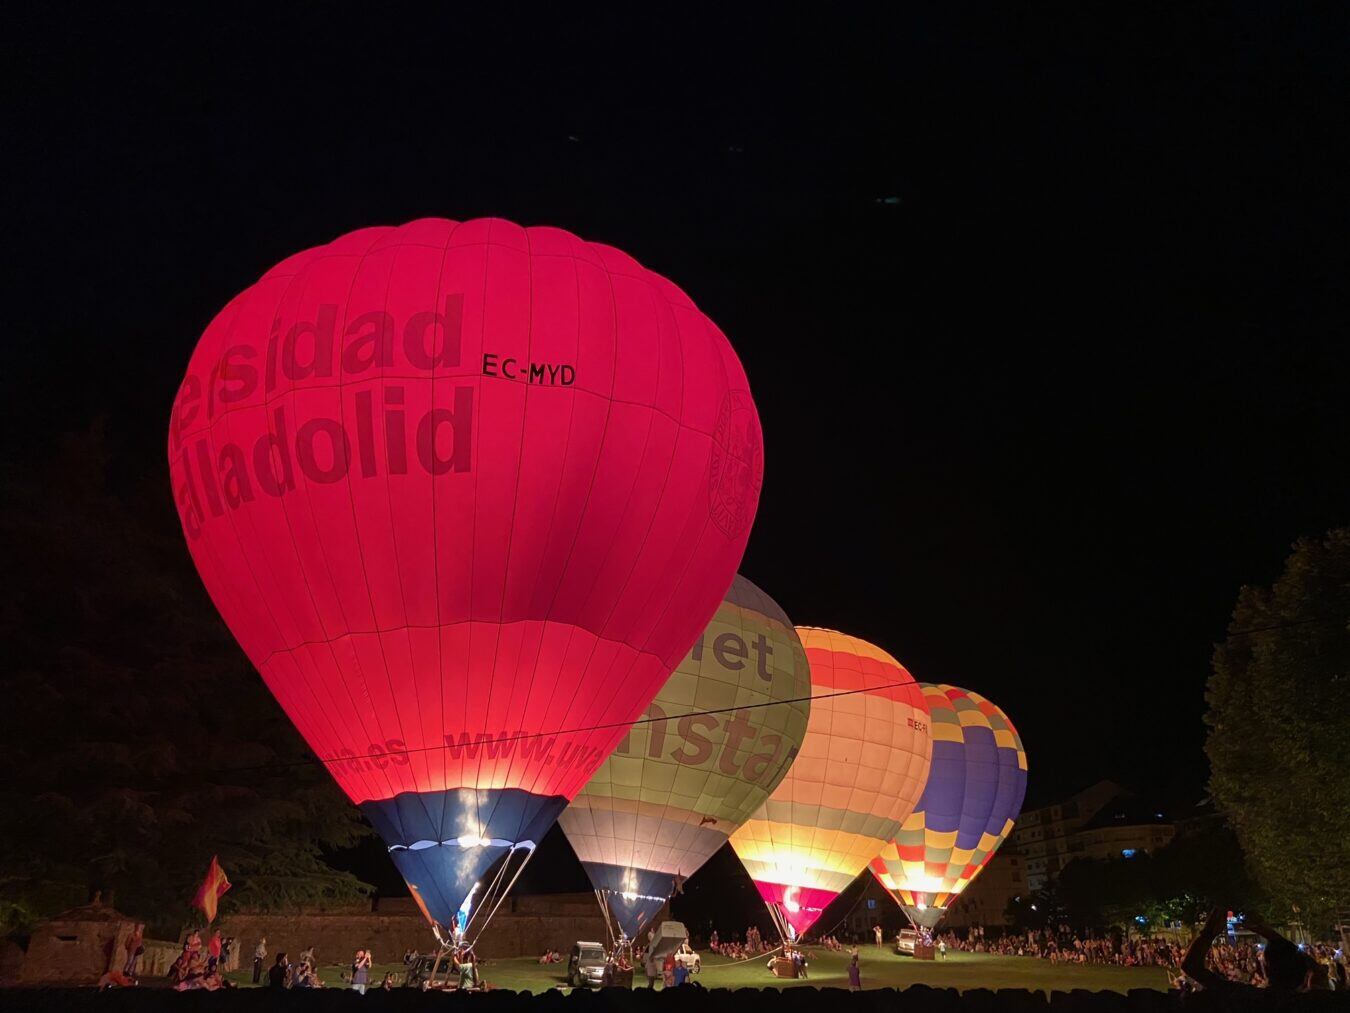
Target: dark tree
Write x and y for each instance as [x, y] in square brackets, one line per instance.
[136, 738]
[1096, 893]
[1201, 869]
[1279, 720]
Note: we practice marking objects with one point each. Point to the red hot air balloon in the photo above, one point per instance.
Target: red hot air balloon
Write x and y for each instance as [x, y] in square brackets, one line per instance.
[465, 493]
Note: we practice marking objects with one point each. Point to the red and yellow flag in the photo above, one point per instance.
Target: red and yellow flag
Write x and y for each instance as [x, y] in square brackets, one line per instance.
[213, 887]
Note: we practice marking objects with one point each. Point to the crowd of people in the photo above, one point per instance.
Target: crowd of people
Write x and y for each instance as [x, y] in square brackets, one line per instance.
[1213, 965]
[303, 973]
[1214, 959]
[1064, 946]
[198, 966]
[734, 949]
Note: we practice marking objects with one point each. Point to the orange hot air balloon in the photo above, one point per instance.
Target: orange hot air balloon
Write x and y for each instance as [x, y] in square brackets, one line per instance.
[861, 769]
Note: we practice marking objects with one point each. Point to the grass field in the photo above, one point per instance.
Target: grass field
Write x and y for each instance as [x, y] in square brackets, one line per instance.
[879, 970]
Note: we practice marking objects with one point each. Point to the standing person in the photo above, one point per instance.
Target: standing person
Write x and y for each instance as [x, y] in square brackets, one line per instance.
[276, 976]
[942, 948]
[468, 975]
[214, 949]
[876, 931]
[135, 947]
[259, 955]
[194, 942]
[681, 971]
[668, 970]
[690, 960]
[854, 976]
[361, 971]
[227, 953]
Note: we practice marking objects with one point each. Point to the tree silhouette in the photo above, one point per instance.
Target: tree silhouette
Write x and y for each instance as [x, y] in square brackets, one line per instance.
[1279, 719]
[136, 738]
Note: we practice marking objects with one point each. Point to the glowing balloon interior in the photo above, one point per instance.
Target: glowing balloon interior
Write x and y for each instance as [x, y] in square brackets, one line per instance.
[683, 779]
[862, 766]
[465, 493]
[975, 790]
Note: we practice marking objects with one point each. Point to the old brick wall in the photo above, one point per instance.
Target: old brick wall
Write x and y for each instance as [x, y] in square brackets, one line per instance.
[523, 926]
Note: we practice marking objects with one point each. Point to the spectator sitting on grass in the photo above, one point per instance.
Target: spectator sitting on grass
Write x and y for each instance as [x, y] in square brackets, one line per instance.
[279, 975]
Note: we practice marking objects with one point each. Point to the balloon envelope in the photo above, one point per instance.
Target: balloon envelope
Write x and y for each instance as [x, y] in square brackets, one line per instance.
[862, 766]
[975, 790]
[465, 493]
[683, 779]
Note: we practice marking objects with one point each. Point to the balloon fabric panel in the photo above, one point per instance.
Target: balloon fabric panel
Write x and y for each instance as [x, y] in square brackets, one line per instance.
[683, 779]
[862, 766]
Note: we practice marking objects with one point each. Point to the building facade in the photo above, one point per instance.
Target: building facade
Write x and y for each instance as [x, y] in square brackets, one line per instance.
[1102, 821]
[985, 901]
[1124, 827]
[875, 906]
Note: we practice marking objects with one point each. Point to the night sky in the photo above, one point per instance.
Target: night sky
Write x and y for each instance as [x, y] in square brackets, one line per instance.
[1044, 310]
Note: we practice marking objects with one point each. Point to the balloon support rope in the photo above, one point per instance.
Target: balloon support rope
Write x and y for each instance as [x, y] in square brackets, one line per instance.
[757, 956]
[489, 896]
[528, 848]
[604, 910]
[847, 914]
[780, 923]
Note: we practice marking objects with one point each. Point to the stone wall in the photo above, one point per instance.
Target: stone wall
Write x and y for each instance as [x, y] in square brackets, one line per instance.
[158, 957]
[523, 926]
[75, 950]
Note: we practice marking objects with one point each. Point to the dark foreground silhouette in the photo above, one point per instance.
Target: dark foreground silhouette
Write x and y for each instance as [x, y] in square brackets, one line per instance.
[917, 999]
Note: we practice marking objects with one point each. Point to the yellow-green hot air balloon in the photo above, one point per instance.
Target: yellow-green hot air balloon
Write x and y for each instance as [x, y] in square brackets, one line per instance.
[706, 754]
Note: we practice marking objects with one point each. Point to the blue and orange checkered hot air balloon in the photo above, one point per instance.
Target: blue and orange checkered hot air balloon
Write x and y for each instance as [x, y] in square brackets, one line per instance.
[975, 788]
